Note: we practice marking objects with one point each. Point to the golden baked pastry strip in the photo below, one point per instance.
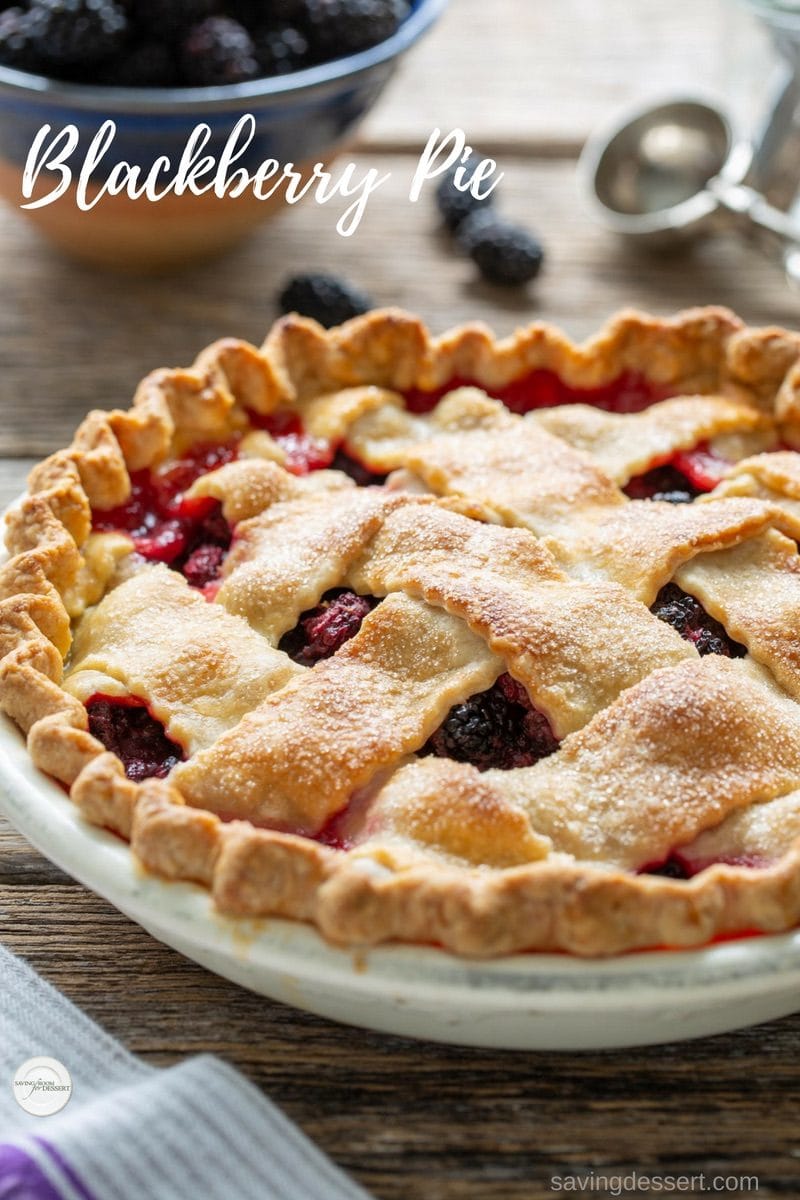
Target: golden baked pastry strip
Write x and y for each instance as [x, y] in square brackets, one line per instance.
[754, 836]
[672, 757]
[574, 646]
[284, 559]
[199, 668]
[619, 446]
[248, 487]
[528, 476]
[298, 758]
[624, 445]
[772, 477]
[753, 589]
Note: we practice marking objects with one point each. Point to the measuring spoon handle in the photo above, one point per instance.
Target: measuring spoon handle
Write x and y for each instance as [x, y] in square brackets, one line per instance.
[746, 202]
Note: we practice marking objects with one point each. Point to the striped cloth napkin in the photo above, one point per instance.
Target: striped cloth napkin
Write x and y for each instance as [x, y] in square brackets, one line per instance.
[197, 1131]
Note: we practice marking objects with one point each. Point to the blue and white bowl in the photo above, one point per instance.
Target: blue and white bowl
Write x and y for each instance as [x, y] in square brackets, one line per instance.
[302, 118]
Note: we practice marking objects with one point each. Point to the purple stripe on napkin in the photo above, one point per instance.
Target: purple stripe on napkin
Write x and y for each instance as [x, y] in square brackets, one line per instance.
[66, 1170]
[21, 1178]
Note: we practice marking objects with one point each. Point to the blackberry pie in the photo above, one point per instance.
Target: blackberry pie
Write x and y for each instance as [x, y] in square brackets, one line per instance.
[492, 645]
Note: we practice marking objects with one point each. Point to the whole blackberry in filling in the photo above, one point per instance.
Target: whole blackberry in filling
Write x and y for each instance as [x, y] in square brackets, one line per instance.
[126, 728]
[497, 728]
[687, 615]
[203, 565]
[477, 732]
[323, 630]
[218, 51]
[71, 34]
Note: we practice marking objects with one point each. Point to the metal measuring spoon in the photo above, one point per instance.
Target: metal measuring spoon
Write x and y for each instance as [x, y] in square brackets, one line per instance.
[673, 171]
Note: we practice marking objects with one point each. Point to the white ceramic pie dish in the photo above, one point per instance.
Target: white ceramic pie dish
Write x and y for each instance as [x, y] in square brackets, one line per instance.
[528, 1002]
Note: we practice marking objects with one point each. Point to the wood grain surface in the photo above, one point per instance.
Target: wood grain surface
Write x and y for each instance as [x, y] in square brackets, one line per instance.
[411, 1121]
[498, 70]
[73, 339]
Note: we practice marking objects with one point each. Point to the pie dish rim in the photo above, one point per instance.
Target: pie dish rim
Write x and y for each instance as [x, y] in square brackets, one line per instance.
[529, 1001]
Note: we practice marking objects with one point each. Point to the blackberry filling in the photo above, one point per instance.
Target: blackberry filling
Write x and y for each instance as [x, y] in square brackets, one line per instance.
[630, 392]
[356, 470]
[671, 868]
[204, 564]
[321, 631]
[687, 615]
[677, 866]
[304, 453]
[662, 483]
[689, 473]
[191, 536]
[207, 544]
[126, 727]
[496, 728]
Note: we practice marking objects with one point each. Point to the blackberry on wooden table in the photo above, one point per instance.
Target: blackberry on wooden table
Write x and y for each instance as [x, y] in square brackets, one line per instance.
[504, 253]
[327, 298]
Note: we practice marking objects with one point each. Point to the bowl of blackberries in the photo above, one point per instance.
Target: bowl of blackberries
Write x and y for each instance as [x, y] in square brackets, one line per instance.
[146, 134]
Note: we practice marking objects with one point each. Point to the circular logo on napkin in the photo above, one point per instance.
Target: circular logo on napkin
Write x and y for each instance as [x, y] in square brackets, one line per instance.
[42, 1086]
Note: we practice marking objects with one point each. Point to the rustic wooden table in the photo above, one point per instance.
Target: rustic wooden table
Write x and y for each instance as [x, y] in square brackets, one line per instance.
[410, 1120]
